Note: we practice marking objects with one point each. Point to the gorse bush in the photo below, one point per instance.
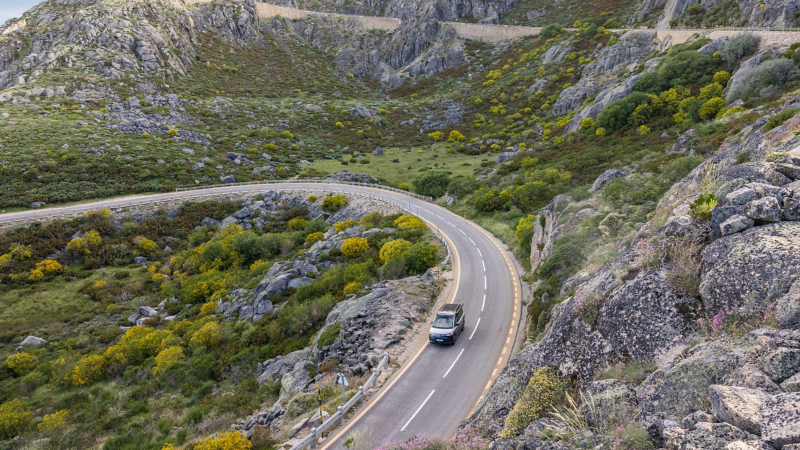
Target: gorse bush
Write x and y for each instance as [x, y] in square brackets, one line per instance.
[333, 203]
[432, 183]
[233, 440]
[735, 48]
[21, 363]
[355, 246]
[15, 418]
[545, 390]
[394, 248]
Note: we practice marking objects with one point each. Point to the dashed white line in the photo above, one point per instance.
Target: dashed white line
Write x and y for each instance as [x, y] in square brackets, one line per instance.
[462, 231]
[479, 253]
[476, 326]
[439, 216]
[454, 362]
[417, 411]
[451, 223]
[484, 281]
[484, 265]
[484, 302]
[473, 242]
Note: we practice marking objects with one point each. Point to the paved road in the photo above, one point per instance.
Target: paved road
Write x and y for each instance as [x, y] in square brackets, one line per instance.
[440, 385]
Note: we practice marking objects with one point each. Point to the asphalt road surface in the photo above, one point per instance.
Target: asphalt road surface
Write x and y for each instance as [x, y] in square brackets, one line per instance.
[439, 385]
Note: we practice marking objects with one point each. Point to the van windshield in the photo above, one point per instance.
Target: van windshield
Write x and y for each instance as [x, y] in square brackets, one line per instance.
[443, 322]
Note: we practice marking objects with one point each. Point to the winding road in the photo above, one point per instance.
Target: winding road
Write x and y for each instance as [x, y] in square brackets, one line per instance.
[438, 386]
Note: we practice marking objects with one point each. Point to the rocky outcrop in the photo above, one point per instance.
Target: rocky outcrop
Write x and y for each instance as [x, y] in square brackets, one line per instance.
[602, 100]
[750, 269]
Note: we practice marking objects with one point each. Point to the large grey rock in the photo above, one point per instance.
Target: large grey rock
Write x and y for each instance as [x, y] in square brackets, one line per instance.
[742, 196]
[792, 384]
[299, 282]
[755, 267]
[227, 179]
[505, 156]
[705, 436]
[735, 224]
[738, 406]
[755, 172]
[751, 376]
[296, 380]
[605, 177]
[765, 209]
[146, 311]
[749, 445]
[720, 215]
[33, 341]
[791, 171]
[602, 100]
[782, 363]
[787, 308]
[271, 287]
[314, 421]
[208, 222]
[791, 208]
[781, 416]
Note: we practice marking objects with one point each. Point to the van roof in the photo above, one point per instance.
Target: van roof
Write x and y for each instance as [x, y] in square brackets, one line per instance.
[450, 308]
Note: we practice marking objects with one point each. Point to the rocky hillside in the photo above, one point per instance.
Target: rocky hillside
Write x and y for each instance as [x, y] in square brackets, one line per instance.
[681, 297]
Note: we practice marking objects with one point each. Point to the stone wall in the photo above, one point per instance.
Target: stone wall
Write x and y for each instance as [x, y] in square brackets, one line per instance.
[768, 38]
[491, 33]
[368, 22]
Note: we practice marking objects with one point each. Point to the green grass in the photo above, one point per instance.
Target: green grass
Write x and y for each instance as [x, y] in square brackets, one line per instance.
[410, 163]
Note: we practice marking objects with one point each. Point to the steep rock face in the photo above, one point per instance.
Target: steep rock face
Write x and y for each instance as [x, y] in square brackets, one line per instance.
[151, 37]
[751, 269]
[772, 14]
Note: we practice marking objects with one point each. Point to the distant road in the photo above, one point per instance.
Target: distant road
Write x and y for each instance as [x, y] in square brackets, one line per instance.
[439, 385]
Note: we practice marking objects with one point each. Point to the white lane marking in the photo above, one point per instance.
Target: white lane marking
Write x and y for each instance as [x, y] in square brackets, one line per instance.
[417, 411]
[451, 223]
[484, 281]
[484, 265]
[462, 231]
[473, 242]
[484, 302]
[476, 326]
[479, 252]
[454, 362]
[439, 216]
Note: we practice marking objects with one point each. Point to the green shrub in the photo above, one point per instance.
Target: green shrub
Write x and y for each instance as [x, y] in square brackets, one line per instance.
[700, 209]
[420, 257]
[333, 203]
[767, 79]
[328, 336]
[545, 390]
[550, 30]
[737, 47]
[431, 183]
[778, 119]
[616, 114]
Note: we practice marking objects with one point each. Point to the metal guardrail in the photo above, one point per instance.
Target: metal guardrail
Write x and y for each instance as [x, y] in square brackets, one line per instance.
[309, 180]
[338, 417]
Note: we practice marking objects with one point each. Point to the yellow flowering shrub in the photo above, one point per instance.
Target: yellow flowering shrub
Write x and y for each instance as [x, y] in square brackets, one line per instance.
[587, 123]
[333, 203]
[394, 248]
[315, 237]
[233, 440]
[146, 245]
[456, 136]
[21, 363]
[405, 187]
[15, 418]
[168, 447]
[167, 357]
[312, 198]
[297, 224]
[208, 335]
[353, 288]
[600, 131]
[54, 424]
[545, 390]
[208, 309]
[86, 243]
[343, 225]
[88, 369]
[410, 222]
[355, 246]
[172, 132]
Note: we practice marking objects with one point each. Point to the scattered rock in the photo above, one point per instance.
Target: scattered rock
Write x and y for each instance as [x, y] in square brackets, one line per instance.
[605, 177]
[33, 341]
[738, 406]
[781, 416]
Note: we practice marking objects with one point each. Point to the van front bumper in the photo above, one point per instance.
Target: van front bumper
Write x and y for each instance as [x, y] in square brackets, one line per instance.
[442, 339]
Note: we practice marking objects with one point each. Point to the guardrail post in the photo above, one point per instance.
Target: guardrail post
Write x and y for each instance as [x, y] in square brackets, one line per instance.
[361, 395]
[341, 415]
[313, 443]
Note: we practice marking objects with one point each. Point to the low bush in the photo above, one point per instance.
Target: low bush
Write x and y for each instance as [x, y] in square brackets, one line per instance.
[545, 390]
[700, 209]
[333, 203]
[735, 48]
[778, 119]
[769, 78]
[328, 336]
